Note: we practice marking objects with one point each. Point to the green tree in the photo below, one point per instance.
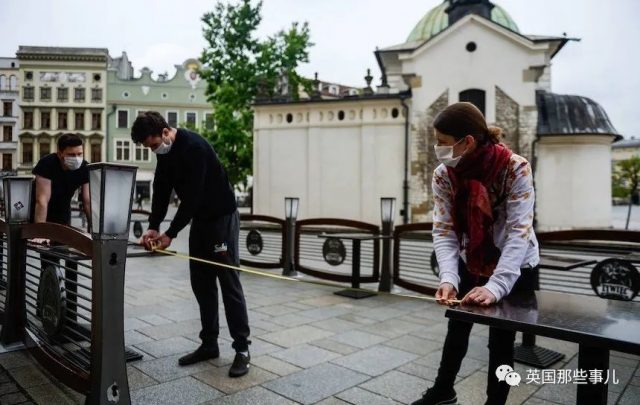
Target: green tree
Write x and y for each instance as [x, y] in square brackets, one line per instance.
[626, 181]
[240, 68]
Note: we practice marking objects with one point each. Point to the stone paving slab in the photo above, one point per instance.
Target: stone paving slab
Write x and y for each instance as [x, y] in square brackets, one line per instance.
[29, 376]
[358, 396]
[391, 328]
[289, 337]
[184, 391]
[334, 346]
[51, 394]
[167, 347]
[314, 384]
[305, 356]
[335, 325]
[253, 396]
[375, 360]
[274, 365]
[358, 338]
[167, 368]
[219, 379]
[413, 345]
[398, 386]
[11, 392]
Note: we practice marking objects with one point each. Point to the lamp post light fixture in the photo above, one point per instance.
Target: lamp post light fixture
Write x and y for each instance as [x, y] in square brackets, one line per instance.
[17, 192]
[111, 187]
[291, 205]
[387, 214]
[17, 198]
[387, 210]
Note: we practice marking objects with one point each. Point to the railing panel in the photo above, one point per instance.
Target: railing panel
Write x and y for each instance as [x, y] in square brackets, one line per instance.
[4, 266]
[309, 258]
[413, 247]
[59, 301]
[4, 271]
[261, 241]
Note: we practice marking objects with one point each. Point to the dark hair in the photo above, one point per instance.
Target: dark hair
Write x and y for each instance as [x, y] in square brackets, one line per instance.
[68, 141]
[462, 119]
[148, 123]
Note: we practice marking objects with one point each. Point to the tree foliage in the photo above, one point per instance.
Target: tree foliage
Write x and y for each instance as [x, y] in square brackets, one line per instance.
[240, 68]
[626, 180]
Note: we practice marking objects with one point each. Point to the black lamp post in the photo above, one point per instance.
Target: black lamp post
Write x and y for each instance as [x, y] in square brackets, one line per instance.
[17, 208]
[291, 205]
[111, 188]
[387, 214]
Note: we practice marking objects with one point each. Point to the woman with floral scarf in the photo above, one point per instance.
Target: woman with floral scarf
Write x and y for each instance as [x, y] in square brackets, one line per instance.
[483, 237]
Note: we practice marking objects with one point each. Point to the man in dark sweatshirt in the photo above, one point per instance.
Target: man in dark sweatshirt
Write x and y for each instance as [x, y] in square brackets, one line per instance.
[188, 164]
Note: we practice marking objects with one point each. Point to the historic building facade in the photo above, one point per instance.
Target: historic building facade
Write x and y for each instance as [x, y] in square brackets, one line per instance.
[180, 99]
[9, 113]
[62, 90]
[461, 50]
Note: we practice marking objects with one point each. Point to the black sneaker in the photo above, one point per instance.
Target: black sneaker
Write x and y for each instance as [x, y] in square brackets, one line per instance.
[240, 365]
[436, 396]
[202, 353]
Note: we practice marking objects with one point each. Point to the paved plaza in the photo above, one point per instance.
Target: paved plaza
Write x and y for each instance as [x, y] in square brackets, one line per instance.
[309, 346]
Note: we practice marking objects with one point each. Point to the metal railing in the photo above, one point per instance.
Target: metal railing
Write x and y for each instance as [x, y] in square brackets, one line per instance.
[413, 267]
[309, 258]
[65, 302]
[262, 241]
[59, 302]
[4, 266]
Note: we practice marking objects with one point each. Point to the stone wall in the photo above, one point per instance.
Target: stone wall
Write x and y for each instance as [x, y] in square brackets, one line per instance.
[507, 118]
[528, 125]
[423, 160]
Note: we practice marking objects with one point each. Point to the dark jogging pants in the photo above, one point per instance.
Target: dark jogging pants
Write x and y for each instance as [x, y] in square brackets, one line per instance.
[217, 240]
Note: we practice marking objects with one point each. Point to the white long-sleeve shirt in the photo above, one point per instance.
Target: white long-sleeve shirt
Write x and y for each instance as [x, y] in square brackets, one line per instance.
[512, 230]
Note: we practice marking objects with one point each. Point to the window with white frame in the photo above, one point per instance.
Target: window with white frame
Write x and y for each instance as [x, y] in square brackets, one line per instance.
[191, 118]
[208, 121]
[142, 154]
[172, 118]
[123, 149]
[123, 119]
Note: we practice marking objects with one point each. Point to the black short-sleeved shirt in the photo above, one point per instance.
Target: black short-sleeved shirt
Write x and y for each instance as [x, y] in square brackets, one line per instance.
[64, 184]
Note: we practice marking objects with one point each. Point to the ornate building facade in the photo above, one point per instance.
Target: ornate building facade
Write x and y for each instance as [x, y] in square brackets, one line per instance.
[62, 90]
[180, 99]
[9, 113]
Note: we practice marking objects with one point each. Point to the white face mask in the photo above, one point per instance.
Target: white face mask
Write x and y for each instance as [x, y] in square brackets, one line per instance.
[164, 148]
[73, 162]
[445, 154]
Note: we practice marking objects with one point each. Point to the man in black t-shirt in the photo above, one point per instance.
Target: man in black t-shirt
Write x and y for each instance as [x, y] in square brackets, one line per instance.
[58, 176]
[188, 164]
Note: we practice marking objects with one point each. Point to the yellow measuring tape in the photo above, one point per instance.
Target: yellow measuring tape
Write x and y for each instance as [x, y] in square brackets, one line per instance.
[298, 280]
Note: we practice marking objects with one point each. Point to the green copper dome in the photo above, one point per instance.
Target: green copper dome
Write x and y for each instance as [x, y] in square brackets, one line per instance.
[437, 20]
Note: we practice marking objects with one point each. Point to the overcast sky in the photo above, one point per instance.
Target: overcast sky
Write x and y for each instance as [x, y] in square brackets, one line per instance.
[161, 33]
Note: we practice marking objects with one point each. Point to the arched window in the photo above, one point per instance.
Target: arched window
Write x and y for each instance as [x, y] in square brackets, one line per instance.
[14, 83]
[3, 82]
[476, 97]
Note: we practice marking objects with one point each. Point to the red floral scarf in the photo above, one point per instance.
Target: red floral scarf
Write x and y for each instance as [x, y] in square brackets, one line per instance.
[472, 211]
